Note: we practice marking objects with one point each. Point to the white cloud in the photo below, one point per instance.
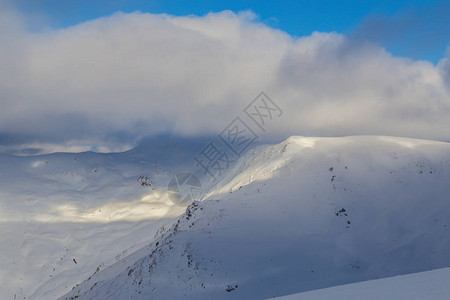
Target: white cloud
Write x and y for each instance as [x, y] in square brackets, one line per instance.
[115, 79]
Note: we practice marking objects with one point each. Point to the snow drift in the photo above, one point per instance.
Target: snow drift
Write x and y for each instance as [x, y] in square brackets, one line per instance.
[418, 286]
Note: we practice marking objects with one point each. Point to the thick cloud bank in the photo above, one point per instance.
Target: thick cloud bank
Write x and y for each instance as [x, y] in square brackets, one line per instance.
[110, 81]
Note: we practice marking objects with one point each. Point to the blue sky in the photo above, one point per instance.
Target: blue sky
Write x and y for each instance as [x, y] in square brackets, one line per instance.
[414, 29]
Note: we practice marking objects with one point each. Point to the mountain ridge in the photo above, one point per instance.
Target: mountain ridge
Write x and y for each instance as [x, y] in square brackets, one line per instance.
[304, 214]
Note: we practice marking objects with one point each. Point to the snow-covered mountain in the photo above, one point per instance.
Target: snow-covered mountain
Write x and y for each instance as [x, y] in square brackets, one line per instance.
[305, 214]
[65, 216]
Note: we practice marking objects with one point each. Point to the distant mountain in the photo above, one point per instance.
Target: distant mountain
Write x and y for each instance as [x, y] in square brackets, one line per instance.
[64, 216]
[305, 214]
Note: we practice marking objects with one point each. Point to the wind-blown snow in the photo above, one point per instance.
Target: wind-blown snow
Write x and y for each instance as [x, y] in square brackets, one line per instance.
[305, 214]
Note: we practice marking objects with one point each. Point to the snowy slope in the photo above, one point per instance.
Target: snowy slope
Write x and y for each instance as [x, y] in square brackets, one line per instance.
[65, 216]
[305, 214]
[430, 285]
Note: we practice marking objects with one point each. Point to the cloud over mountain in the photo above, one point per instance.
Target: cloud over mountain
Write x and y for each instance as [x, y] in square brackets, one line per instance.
[113, 80]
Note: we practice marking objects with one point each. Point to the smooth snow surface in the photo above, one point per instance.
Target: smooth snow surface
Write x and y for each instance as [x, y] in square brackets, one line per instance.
[431, 285]
[305, 214]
